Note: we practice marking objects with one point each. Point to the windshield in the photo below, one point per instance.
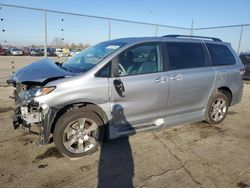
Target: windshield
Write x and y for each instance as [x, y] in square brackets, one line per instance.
[91, 56]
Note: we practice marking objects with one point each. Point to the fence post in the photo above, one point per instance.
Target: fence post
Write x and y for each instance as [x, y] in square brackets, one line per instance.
[109, 22]
[156, 30]
[192, 28]
[45, 33]
[239, 44]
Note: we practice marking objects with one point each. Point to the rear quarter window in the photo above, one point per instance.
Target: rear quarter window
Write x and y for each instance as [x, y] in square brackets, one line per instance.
[220, 55]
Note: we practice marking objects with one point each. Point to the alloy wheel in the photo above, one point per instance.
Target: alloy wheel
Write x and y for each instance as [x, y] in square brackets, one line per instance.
[80, 136]
[218, 109]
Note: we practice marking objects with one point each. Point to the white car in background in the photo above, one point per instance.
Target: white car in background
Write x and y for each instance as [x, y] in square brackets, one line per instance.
[74, 52]
[16, 51]
[59, 52]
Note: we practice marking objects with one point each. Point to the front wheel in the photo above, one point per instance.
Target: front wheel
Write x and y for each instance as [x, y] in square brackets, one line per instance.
[78, 132]
[217, 108]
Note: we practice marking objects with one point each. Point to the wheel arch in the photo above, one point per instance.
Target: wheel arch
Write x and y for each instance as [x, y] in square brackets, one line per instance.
[90, 106]
[227, 91]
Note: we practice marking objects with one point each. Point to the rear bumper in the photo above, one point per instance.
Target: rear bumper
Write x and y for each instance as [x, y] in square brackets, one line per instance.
[237, 93]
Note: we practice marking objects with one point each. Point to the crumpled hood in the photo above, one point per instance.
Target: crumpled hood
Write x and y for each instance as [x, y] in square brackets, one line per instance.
[39, 72]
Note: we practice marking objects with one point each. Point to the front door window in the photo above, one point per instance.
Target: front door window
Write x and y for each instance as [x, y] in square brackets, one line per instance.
[140, 59]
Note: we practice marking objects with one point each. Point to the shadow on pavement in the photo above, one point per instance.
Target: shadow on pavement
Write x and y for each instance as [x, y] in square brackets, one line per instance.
[116, 165]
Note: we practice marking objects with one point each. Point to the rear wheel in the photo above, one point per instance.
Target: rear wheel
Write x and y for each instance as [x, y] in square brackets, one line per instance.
[78, 132]
[217, 108]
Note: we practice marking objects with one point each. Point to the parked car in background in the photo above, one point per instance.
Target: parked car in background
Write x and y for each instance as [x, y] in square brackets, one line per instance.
[42, 51]
[125, 86]
[245, 58]
[26, 51]
[16, 51]
[3, 51]
[59, 52]
[73, 52]
[51, 52]
[66, 52]
[35, 52]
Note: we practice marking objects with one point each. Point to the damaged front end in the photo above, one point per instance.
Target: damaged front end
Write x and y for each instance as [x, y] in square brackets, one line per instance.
[30, 83]
[29, 112]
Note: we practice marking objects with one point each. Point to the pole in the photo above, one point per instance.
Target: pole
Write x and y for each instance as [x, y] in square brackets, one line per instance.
[239, 44]
[109, 22]
[192, 28]
[156, 30]
[45, 33]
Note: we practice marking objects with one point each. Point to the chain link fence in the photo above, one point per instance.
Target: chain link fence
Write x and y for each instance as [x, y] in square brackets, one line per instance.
[237, 35]
[36, 31]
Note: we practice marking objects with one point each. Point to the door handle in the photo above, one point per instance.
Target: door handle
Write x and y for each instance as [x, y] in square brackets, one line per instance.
[176, 77]
[160, 80]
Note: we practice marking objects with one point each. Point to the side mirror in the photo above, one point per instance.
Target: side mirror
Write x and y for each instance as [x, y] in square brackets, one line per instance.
[119, 87]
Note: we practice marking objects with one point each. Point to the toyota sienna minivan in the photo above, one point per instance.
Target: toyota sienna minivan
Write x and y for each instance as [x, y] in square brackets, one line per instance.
[124, 86]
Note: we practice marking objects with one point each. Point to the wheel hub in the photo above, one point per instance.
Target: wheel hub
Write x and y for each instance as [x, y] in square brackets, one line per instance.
[79, 136]
[218, 109]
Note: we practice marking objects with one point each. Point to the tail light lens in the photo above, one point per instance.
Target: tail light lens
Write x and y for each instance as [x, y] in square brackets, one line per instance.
[242, 70]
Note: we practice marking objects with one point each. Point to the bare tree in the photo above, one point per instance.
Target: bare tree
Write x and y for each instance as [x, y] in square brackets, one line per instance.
[73, 45]
[57, 42]
[83, 46]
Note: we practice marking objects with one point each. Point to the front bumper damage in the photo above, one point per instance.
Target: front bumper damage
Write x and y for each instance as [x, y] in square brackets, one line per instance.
[36, 118]
[29, 111]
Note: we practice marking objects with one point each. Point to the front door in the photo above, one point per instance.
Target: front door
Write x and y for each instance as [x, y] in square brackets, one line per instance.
[139, 88]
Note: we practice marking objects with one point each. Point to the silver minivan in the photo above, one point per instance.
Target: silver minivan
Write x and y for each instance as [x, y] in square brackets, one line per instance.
[124, 86]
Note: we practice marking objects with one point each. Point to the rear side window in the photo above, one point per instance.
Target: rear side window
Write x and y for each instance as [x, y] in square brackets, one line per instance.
[220, 55]
[185, 55]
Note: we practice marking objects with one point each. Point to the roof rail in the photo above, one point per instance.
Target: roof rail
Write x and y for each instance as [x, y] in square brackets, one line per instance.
[193, 36]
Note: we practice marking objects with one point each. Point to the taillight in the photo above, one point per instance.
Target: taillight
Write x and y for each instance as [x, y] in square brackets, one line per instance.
[242, 70]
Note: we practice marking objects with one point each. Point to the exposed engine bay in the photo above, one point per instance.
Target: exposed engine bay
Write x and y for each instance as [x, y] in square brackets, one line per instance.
[28, 112]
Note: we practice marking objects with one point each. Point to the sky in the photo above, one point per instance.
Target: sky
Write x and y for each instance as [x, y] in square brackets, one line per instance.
[28, 26]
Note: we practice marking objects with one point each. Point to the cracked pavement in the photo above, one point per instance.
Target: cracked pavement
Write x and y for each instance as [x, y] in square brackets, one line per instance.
[194, 155]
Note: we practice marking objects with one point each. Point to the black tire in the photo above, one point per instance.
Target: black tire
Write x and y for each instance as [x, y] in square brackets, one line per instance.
[66, 119]
[209, 115]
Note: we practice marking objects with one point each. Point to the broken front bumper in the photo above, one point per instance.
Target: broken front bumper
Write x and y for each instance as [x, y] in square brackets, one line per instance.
[30, 114]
